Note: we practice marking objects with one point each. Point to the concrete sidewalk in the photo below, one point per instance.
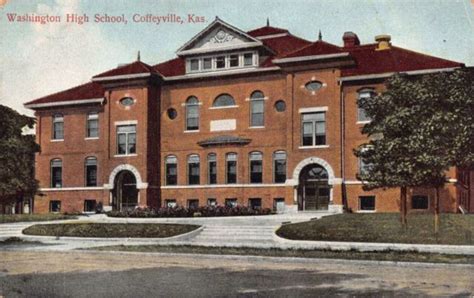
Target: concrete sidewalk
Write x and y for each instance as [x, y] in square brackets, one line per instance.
[240, 231]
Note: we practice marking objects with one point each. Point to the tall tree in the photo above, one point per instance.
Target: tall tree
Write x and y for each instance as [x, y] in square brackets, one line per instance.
[17, 156]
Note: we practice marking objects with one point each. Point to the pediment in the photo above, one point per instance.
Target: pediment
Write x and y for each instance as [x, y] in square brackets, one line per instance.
[218, 36]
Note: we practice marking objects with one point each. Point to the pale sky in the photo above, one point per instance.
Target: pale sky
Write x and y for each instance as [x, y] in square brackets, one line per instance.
[38, 60]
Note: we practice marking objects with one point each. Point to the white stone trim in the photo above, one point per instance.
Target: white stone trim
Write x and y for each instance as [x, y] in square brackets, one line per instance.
[65, 103]
[222, 73]
[389, 74]
[353, 182]
[71, 188]
[122, 77]
[363, 122]
[91, 138]
[191, 131]
[56, 140]
[126, 155]
[314, 147]
[315, 160]
[312, 110]
[308, 58]
[223, 107]
[122, 167]
[126, 122]
[251, 185]
[256, 127]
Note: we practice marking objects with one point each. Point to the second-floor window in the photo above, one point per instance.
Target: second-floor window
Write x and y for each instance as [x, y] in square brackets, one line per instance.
[92, 125]
[364, 93]
[126, 139]
[256, 171]
[56, 173]
[91, 171]
[212, 168]
[279, 167]
[171, 170]
[257, 104]
[313, 128]
[192, 113]
[231, 168]
[58, 127]
[193, 169]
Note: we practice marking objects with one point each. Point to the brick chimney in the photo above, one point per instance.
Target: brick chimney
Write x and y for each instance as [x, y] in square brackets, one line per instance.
[350, 39]
[383, 42]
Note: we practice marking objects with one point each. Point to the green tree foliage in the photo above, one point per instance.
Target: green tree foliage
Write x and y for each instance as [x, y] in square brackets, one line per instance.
[17, 156]
[421, 126]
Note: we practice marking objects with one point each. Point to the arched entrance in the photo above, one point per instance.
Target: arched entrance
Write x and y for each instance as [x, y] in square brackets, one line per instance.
[313, 188]
[125, 192]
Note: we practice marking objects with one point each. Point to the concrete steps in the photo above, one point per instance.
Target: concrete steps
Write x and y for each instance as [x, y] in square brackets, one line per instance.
[245, 235]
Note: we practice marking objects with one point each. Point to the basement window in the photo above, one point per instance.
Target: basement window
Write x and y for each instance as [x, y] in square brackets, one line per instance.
[367, 203]
[419, 202]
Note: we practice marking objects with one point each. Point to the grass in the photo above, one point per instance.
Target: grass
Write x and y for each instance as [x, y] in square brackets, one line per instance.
[456, 229]
[112, 230]
[15, 241]
[7, 218]
[388, 255]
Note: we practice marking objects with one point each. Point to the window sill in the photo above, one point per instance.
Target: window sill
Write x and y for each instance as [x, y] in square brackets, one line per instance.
[366, 211]
[256, 127]
[225, 107]
[91, 138]
[191, 131]
[363, 122]
[125, 155]
[57, 140]
[314, 147]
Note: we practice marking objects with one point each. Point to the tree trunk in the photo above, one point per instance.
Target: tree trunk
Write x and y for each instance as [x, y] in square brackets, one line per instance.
[436, 211]
[403, 206]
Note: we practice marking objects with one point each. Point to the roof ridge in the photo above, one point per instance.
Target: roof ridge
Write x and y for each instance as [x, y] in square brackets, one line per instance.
[312, 43]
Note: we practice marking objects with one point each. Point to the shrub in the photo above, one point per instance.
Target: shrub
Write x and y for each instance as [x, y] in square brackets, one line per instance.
[178, 211]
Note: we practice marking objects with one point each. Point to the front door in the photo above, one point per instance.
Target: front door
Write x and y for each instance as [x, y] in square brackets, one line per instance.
[314, 190]
[125, 191]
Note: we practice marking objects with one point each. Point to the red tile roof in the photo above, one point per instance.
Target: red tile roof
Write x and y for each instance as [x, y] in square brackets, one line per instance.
[267, 30]
[85, 91]
[170, 68]
[370, 61]
[316, 48]
[132, 68]
[285, 44]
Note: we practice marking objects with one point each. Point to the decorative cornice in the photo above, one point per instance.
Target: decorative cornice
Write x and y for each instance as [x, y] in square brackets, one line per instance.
[310, 58]
[65, 103]
[389, 74]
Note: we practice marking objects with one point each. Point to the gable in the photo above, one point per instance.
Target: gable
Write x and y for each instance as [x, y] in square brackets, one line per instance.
[218, 36]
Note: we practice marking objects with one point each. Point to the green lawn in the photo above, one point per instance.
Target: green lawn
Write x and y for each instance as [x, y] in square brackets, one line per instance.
[388, 255]
[6, 218]
[104, 230]
[384, 227]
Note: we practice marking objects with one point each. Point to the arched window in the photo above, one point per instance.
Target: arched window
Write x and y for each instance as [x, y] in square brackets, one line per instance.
[193, 169]
[91, 171]
[212, 168]
[56, 173]
[257, 105]
[171, 170]
[231, 168]
[224, 100]
[255, 165]
[279, 167]
[192, 113]
[92, 125]
[362, 94]
[58, 127]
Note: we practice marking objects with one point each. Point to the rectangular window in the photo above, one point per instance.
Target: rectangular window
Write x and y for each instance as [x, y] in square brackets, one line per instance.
[171, 169]
[92, 125]
[361, 115]
[170, 203]
[193, 170]
[56, 174]
[279, 167]
[126, 139]
[91, 172]
[419, 202]
[248, 59]
[193, 204]
[58, 127]
[207, 63]
[194, 64]
[55, 206]
[220, 62]
[192, 117]
[256, 175]
[89, 205]
[212, 167]
[367, 203]
[255, 203]
[231, 203]
[313, 129]
[212, 202]
[234, 60]
[257, 110]
[231, 169]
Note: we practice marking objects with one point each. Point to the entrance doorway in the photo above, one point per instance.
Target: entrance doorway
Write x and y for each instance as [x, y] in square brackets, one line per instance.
[125, 192]
[313, 190]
